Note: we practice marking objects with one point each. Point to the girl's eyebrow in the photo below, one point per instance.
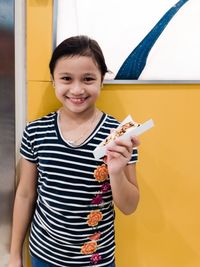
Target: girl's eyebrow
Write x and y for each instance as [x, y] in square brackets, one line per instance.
[71, 74]
[90, 73]
[64, 73]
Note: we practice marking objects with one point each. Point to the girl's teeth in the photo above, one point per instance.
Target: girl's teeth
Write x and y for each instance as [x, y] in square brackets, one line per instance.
[78, 100]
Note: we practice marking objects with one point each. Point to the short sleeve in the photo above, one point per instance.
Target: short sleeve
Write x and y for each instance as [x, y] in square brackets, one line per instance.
[27, 145]
[134, 157]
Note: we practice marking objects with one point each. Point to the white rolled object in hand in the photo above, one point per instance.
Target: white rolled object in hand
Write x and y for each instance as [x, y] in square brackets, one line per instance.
[127, 128]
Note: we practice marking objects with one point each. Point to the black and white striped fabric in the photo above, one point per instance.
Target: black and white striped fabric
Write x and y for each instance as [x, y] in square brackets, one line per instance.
[66, 188]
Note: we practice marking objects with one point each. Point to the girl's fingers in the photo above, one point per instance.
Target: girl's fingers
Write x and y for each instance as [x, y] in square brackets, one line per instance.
[135, 141]
[123, 148]
[125, 144]
[120, 149]
[116, 154]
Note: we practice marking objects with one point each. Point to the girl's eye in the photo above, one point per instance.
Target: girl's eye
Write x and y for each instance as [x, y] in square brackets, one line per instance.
[89, 79]
[66, 78]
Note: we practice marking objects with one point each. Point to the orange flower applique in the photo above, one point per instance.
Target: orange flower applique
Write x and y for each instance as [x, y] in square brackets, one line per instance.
[94, 218]
[101, 173]
[95, 236]
[89, 248]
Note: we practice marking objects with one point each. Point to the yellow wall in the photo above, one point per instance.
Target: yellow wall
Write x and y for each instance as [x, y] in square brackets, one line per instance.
[164, 231]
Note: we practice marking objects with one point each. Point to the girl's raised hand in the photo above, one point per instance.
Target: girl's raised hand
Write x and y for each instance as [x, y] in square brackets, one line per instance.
[119, 154]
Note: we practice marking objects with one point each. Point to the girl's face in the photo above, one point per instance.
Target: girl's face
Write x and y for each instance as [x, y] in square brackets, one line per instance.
[77, 82]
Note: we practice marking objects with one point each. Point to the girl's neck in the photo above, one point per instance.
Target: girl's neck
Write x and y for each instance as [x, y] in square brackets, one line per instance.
[78, 118]
[76, 128]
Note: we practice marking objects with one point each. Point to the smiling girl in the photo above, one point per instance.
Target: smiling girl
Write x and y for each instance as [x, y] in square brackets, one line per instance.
[64, 192]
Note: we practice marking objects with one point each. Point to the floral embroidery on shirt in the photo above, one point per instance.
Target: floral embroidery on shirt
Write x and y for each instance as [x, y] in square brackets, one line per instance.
[95, 258]
[101, 173]
[98, 199]
[105, 187]
[95, 216]
[95, 236]
[89, 247]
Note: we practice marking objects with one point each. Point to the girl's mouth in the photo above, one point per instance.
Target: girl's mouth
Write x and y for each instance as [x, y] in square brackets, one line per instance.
[77, 100]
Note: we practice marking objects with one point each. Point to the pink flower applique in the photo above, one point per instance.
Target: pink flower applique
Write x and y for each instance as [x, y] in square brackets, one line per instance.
[95, 236]
[95, 258]
[97, 199]
[105, 187]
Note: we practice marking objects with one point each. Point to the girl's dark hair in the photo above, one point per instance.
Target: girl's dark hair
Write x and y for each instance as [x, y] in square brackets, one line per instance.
[80, 45]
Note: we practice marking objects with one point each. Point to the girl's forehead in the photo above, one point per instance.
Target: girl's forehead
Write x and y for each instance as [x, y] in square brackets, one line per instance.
[76, 59]
[76, 63]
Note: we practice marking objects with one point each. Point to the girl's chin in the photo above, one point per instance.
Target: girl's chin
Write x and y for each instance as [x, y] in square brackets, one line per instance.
[77, 108]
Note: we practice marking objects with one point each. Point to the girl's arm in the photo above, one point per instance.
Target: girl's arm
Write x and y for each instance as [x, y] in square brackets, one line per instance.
[23, 210]
[123, 175]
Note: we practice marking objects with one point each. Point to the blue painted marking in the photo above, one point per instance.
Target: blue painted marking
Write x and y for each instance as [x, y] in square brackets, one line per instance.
[136, 61]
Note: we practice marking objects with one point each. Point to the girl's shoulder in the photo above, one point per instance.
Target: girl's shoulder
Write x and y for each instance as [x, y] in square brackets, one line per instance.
[43, 121]
[111, 120]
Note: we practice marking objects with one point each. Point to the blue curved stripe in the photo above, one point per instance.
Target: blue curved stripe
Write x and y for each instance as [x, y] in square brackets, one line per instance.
[136, 61]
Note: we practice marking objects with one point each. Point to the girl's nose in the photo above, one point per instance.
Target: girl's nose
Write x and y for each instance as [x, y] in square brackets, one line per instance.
[77, 88]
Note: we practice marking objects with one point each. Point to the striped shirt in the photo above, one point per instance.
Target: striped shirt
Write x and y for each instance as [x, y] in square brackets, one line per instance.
[73, 223]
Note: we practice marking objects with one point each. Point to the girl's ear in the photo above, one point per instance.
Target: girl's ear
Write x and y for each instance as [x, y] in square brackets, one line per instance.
[102, 82]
